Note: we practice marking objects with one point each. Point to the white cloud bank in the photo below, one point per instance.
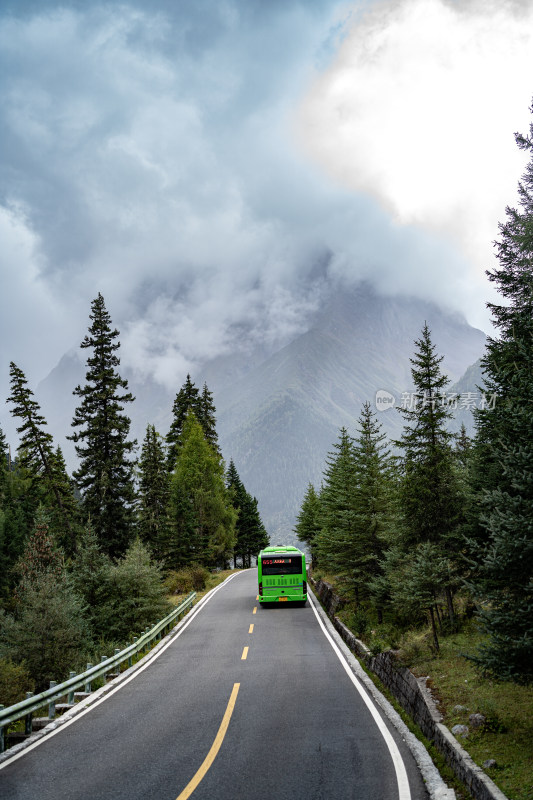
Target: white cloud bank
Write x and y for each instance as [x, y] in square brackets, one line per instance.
[149, 156]
[418, 109]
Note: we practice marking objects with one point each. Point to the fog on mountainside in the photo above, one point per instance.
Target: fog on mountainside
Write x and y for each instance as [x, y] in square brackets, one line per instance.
[279, 413]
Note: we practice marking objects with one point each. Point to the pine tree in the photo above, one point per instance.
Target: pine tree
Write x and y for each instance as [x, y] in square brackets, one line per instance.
[187, 399]
[202, 517]
[105, 474]
[206, 417]
[4, 466]
[307, 525]
[135, 595]
[338, 509]
[48, 631]
[4, 561]
[503, 467]
[154, 492]
[251, 536]
[374, 500]
[203, 407]
[41, 556]
[37, 456]
[91, 578]
[19, 500]
[432, 504]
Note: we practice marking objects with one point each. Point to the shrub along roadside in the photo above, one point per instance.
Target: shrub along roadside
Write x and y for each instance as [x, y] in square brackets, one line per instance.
[212, 579]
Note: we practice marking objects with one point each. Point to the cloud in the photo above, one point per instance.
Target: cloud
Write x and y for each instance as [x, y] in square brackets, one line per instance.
[27, 301]
[418, 109]
[151, 156]
[142, 154]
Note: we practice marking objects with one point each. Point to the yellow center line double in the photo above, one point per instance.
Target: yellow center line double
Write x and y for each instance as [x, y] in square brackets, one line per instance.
[215, 747]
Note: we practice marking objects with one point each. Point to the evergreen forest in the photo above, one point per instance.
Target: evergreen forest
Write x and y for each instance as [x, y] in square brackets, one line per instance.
[90, 559]
[434, 529]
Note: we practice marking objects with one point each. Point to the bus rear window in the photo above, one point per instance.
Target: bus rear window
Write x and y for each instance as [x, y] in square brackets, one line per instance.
[282, 565]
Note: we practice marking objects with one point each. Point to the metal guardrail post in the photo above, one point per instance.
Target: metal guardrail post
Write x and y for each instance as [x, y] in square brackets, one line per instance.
[2, 735]
[130, 658]
[52, 703]
[70, 698]
[87, 686]
[28, 718]
[104, 675]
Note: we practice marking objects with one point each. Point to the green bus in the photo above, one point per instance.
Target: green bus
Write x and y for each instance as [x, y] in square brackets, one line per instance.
[281, 575]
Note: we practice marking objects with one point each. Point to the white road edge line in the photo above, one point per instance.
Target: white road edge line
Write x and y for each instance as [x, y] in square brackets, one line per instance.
[404, 792]
[150, 659]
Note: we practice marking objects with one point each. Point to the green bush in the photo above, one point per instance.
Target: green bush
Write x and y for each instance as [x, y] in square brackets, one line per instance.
[415, 645]
[48, 631]
[358, 622]
[178, 581]
[200, 576]
[15, 681]
[188, 579]
[135, 596]
[382, 638]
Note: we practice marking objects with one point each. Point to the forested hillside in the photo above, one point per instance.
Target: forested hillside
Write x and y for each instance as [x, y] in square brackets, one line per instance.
[88, 560]
[442, 529]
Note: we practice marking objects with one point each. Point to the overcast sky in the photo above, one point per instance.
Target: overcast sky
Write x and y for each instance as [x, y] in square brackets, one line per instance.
[211, 166]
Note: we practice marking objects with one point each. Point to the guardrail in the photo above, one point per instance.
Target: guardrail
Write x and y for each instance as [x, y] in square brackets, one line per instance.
[26, 708]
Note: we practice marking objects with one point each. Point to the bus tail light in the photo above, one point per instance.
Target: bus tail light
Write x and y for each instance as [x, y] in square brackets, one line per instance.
[260, 588]
[304, 587]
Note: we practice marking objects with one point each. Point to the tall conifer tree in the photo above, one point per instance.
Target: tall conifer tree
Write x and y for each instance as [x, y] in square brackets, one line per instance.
[206, 417]
[503, 463]
[154, 492]
[36, 454]
[251, 535]
[374, 499]
[202, 517]
[189, 399]
[432, 502]
[338, 507]
[105, 474]
[307, 525]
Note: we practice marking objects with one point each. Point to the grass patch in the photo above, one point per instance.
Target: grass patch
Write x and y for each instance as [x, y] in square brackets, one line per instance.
[507, 734]
[212, 580]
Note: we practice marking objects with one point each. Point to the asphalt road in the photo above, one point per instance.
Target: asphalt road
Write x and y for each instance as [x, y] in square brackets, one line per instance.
[280, 719]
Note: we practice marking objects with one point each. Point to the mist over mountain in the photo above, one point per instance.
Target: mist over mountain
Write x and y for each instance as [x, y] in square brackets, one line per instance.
[279, 413]
[281, 418]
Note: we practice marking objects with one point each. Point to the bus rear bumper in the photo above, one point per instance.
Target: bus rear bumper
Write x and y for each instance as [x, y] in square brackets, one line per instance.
[284, 598]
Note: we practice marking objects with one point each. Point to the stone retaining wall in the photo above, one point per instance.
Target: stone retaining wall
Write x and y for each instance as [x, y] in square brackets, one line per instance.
[416, 699]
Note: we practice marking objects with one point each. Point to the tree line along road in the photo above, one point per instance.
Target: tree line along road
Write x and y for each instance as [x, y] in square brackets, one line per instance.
[246, 702]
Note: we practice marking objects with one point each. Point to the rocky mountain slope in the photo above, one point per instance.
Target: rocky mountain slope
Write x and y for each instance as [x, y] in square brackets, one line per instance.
[279, 413]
